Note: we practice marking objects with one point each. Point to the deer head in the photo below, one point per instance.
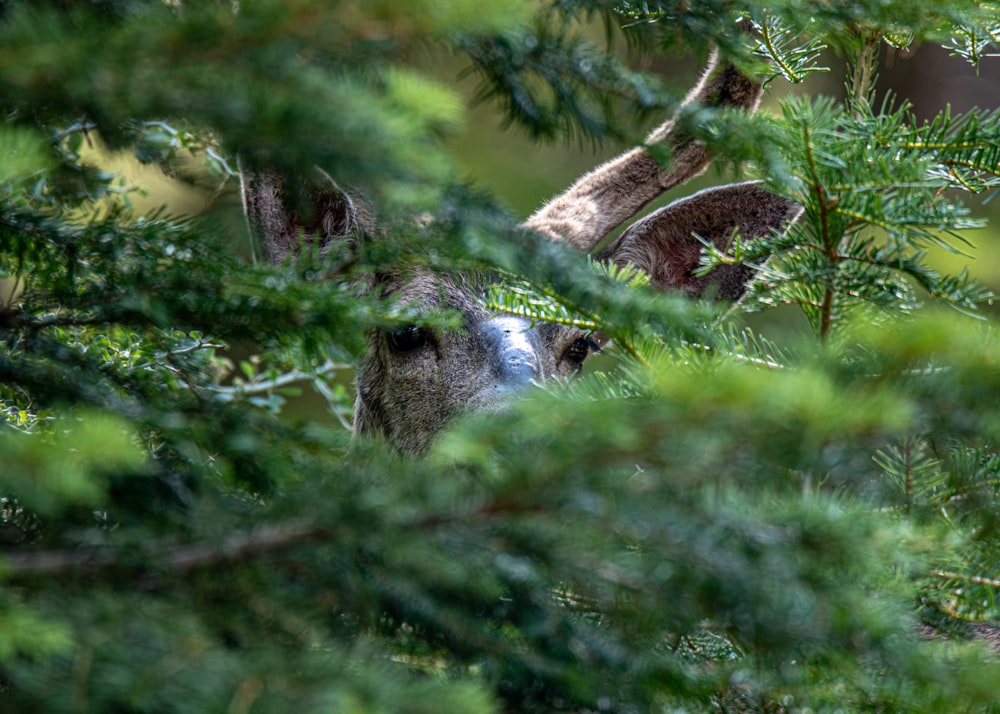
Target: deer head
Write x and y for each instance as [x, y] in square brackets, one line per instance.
[413, 381]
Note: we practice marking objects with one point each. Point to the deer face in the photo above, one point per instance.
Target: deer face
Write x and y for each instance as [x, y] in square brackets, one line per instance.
[414, 379]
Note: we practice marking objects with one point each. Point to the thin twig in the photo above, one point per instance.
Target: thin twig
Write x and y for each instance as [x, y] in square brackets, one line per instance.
[295, 375]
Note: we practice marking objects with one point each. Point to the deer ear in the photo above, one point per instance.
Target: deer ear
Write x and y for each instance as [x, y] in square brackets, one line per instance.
[290, 214]
[667, 243]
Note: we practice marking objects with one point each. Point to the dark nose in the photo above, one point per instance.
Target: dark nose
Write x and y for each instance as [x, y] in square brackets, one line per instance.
[514, 349]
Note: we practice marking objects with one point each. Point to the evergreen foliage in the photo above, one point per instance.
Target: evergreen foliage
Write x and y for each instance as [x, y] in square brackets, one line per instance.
[716, 521]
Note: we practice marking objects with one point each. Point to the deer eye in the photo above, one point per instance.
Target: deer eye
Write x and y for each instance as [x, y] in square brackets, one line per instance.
[578, 351]
[407, 338]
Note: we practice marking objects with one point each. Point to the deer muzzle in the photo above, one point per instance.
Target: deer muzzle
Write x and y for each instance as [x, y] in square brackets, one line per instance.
[515, 349]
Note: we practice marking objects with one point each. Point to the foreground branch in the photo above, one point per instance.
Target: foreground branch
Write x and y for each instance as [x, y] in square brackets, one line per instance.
[243, 546]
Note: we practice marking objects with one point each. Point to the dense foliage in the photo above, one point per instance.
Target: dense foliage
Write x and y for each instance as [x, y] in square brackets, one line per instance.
[714, 519]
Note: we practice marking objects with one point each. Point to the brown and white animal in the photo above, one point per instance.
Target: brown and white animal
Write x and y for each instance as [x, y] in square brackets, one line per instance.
[413, 380]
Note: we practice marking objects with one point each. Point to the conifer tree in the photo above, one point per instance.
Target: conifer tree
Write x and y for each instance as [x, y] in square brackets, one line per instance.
[716, 520]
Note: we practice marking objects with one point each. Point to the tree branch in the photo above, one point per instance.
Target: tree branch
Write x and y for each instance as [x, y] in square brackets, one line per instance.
[185, 558]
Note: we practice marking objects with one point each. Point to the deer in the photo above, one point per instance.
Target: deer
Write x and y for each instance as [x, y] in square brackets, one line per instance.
[413, 381]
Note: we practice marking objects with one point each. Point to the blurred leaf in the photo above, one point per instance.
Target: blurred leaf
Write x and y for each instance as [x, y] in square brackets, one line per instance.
[68, 467]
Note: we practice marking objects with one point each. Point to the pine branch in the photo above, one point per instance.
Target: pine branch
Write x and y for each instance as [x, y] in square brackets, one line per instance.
[778, 44]
[262, 541]
[951, 577]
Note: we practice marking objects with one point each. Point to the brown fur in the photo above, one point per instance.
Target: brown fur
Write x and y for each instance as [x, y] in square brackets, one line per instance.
[612, 193]
[662, 244]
